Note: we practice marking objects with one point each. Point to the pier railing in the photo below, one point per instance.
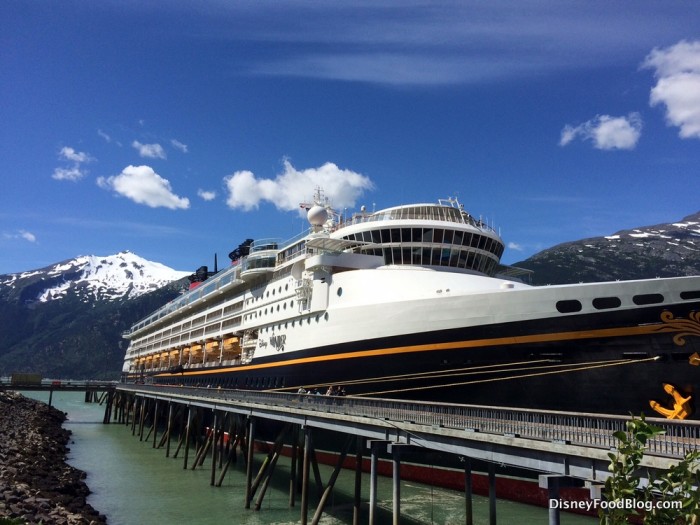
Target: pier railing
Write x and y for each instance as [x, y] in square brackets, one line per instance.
[592, 430]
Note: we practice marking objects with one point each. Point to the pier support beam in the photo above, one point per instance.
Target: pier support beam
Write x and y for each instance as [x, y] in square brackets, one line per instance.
[468, 500]
[395, 450]
[305, 476]
[357, 502]
[249, 465]
[553, 483]
[373, 462]
[492, 494]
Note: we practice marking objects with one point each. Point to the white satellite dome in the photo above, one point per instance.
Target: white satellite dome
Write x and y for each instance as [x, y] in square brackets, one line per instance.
[317, 215]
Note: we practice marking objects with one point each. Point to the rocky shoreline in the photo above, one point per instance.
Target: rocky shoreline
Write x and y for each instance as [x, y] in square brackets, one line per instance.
[36, 483]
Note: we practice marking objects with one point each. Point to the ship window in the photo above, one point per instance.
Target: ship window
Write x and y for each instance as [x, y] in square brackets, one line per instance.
[376, 236]
[340, 291]
[395, 235]
[458, 238]
[693, 294]
[448, 236]
[416, 235]
[603, 303]
[438, 234]
[569, 306]
[385, 236]
[406, 234]
[649, 298]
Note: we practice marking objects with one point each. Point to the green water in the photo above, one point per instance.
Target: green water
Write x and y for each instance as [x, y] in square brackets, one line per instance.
[132, 483]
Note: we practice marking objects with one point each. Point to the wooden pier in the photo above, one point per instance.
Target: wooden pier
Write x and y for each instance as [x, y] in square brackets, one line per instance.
[95, 391]
[564, 449]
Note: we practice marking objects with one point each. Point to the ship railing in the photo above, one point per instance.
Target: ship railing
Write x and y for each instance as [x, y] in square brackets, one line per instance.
[593, 430]
[421, 213]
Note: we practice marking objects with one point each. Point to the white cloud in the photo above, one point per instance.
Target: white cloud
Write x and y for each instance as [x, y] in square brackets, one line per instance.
[104, 135]
[21, 234]
[291, 187]
[606, 132]
[179, 145]
[206, 195]
[144, 186]
[27, 236]
[677, 69]
[149, 151]
[515, 246]
[76, 156]
[75, 172]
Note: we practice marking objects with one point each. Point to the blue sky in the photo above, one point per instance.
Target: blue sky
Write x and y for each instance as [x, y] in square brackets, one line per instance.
[178, 129]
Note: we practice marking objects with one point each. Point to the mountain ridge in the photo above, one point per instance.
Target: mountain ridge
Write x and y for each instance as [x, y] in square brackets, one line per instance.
[121, 276]
[660, 250]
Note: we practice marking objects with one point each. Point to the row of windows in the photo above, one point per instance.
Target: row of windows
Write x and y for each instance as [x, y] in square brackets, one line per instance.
[604, 303]
[258, 383]
[429, 235]
[452, 257]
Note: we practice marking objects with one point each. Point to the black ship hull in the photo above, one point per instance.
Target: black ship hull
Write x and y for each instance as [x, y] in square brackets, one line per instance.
[607, 362]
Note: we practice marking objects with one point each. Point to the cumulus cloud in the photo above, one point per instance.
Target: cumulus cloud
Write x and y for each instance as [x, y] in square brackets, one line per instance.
[75, 171]
[206, 195]
[606, 132]
[149, 151]
[179, 145]
[21, 234]
[76, 156]
[144, 186]
[515, 246]
[677, 69]
[293, 186]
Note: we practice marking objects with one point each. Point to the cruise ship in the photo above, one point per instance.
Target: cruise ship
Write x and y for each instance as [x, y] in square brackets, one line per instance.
[412, 302]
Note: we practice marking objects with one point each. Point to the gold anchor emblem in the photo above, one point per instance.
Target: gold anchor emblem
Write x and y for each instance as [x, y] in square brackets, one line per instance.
[681, 405]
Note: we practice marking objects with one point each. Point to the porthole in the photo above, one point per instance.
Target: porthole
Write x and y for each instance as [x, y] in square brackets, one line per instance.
[604, 303]
[568, 306]
[340, 291]
[692, 294]
[648, 298]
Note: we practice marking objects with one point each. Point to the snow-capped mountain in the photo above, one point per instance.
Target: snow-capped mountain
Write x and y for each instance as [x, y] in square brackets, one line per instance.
[89, 278]
[662, 250]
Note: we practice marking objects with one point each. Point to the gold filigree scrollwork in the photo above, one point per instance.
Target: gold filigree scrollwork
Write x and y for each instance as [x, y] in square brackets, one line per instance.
[684, 327]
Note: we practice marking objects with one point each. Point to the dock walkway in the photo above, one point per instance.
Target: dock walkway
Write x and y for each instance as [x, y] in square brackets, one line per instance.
[563, 448]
